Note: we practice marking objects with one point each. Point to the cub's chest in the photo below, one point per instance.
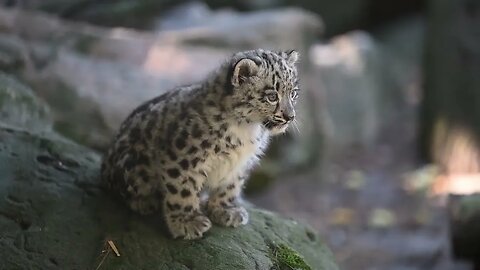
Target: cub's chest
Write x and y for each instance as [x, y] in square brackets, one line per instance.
[244, 142]
[240, 147]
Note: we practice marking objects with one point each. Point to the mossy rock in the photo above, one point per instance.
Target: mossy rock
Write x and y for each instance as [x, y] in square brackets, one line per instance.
[55, 215]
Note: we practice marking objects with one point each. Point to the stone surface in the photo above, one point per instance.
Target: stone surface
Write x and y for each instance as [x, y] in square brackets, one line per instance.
[277, 28]
[54, 215]
[132, 13]
[348, 68]
[95, 76]
[340, 16]
[367, 80]
[19, 106]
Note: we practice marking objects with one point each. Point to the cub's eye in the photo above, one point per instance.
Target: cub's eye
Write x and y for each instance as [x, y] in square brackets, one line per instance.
[294, 94]
[272, 97]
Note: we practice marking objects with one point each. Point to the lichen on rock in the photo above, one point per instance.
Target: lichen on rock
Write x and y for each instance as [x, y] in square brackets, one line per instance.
[285, 258]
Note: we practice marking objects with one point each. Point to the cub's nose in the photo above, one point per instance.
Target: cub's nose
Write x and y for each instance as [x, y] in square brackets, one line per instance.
[288, 116]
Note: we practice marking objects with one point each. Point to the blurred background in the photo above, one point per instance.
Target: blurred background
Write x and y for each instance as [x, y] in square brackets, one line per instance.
[385, 163]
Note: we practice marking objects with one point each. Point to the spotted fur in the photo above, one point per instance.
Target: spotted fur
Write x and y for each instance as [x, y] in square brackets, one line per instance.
[203, 137]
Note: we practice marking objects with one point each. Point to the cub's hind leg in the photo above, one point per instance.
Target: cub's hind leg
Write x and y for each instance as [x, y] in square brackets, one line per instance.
[141, 192]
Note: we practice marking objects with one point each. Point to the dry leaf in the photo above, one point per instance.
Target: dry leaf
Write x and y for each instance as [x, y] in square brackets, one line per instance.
[114, 248]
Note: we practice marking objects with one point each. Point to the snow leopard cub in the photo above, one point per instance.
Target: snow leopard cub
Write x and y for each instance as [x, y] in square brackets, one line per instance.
[203, 137]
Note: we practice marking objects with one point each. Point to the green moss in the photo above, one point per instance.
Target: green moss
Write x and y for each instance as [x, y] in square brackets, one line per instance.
[286, 258]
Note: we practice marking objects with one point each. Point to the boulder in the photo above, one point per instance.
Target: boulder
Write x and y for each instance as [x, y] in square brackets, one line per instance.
[368, 82]
[19, 106]
[54, 214]
[132, 13]
[340, 16]
[272, 29]
[94, 76]
[348, 68]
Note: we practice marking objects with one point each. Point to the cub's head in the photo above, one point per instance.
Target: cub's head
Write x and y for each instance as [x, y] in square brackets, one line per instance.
[264, 87]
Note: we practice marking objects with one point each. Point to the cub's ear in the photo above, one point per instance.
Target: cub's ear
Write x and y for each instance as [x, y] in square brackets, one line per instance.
[292, 56]
[244, 69]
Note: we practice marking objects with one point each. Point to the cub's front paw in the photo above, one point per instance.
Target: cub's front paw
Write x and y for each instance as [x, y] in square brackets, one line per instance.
[189, 227]
[229, 216]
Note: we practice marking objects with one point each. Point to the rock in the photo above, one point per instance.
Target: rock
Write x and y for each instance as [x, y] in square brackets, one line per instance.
[131, 13]
[55, 215]
[401, 68]
[368, 81]
[19, 106]
[100, 94]
[450, 115]
[99, 75]
[281, 28]
[339, 16]
[348, 67]
[10, 56]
